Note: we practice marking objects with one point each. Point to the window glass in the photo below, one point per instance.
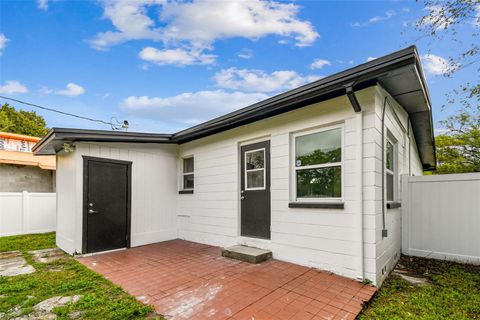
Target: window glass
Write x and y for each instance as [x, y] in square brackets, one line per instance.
[255, 179]
[255, 169]
[187, 165]
[389, 156]
[255, 159]
[319, 183]
[390, 187]
[318, 148]
[188, 176]
[188, 181]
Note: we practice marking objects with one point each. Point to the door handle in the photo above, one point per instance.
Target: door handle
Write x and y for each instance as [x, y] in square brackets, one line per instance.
[90, 211]
[242, 198]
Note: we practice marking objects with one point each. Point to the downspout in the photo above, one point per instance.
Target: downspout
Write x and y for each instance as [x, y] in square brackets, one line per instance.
[384, 229]
[409, 147]
[359, 155]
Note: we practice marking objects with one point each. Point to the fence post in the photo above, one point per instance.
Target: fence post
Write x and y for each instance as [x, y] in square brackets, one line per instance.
[25, 211]
[405, 214]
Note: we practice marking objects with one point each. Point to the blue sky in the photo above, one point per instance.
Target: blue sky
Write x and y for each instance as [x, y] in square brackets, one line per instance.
[165, 66]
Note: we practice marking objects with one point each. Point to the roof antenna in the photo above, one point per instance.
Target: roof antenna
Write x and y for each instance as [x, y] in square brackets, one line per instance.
[119, 125]
[125, 125]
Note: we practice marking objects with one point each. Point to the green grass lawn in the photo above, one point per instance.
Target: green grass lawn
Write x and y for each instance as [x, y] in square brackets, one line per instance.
[101, 299]
[452, 292]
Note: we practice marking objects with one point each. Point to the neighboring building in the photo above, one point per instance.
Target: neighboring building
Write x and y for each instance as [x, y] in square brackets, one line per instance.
[20, 169]
[312, 174]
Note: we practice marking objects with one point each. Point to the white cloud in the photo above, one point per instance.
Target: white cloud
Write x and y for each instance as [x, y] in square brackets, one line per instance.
[245, 53]
[71, 90]
[387, 16]
[196, 25]
[130, 20]
[208, 20]
[177, 56]
[42, 4]
[259, 81]
[370, 59]
[3, 42]
[189, 108]
[435, 65]
[13, 86]
[319, 63]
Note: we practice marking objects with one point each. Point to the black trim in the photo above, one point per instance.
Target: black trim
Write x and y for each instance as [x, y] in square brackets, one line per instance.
[53, 141]
[317, 205]
[185, 192]
[398, 67]
[393, 205]
[85, 190]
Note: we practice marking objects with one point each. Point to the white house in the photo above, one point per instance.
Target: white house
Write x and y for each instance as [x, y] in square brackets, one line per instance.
[311, 174]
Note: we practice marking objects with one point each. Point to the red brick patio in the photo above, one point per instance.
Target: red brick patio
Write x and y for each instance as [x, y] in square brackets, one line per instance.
[186, 280]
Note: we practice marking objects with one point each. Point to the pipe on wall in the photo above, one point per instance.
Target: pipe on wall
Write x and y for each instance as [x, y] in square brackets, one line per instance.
[359, 156]
[384, 228]
[359, 164]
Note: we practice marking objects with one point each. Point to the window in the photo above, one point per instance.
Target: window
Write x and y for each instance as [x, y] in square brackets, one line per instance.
[255, 169]
[188, 180]
[390, 169]
[318, 165]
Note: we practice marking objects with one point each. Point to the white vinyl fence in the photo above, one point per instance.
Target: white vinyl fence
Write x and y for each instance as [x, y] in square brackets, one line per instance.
[441, 217]
[24, 212]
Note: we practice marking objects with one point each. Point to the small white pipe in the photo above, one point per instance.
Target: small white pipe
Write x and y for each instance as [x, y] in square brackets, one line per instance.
[359, 157]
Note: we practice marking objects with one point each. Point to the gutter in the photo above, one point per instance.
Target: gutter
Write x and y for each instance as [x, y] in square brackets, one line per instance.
[342, 83]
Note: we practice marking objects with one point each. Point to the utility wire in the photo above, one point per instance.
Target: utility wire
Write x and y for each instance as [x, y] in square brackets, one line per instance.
[114, 126]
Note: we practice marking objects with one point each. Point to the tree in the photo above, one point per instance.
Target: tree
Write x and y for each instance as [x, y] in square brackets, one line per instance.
[447, 19]
[458, 150]
[22, 122]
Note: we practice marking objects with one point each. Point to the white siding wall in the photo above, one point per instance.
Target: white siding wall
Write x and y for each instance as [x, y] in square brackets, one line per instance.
[388, 249]
[66, 181]
[154, 172]
[323, 238]
[330, 239]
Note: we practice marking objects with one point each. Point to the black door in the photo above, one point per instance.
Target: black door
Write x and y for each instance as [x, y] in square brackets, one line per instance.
[255, 190]
[106, 216]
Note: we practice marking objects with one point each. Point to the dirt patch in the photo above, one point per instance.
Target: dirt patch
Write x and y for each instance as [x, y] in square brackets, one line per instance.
[47, 255]
[43, 310]
[12, 263]
[424, 267]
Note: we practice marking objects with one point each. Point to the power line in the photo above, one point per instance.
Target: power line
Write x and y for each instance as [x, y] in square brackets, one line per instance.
[113, 125]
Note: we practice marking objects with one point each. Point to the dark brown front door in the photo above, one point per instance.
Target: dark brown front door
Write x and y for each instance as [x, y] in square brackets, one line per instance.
[255, 190]
[106, 204]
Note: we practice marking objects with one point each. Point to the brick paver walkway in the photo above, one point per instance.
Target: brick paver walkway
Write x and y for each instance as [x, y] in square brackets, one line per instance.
[187, 280]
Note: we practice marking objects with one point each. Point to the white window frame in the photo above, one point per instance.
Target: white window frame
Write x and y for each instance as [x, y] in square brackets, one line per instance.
[294, 168]
[188, 173]
[395, 169]
[252, 170]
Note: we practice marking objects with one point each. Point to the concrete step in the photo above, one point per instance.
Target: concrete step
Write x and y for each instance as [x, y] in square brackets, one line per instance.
[247, 254]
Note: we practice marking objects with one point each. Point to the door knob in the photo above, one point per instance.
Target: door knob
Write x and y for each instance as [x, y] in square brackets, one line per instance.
[92, 211]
